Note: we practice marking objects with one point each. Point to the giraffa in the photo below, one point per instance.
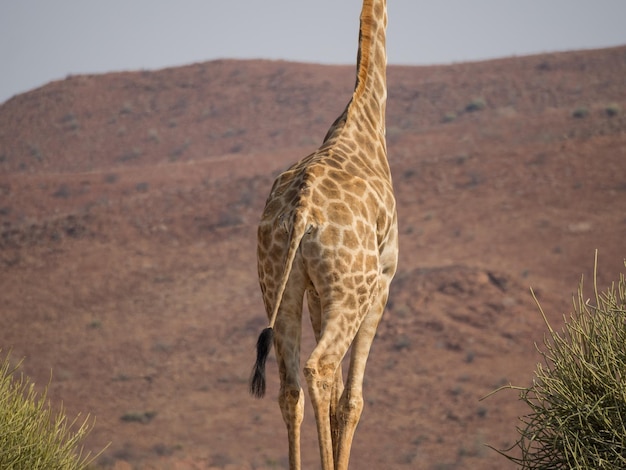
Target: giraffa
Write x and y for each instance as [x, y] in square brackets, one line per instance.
[329, 231]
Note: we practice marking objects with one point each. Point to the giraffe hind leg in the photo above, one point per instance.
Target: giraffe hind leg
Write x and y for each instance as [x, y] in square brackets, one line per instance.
[315, 312]
[350, 404]
[291, 403]
[324, 379]
[287, 337]
[335, 396]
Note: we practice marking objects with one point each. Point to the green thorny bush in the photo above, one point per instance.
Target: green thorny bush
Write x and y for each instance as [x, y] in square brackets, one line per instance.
[577, 399]
[32, 437]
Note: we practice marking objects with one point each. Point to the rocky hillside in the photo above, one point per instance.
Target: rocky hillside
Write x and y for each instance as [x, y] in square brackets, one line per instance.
[128, 210]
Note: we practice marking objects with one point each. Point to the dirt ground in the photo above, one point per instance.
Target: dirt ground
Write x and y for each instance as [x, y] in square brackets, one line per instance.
[128, 211]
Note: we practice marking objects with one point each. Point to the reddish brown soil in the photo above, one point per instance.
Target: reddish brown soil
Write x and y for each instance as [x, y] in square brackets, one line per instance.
[129, 204]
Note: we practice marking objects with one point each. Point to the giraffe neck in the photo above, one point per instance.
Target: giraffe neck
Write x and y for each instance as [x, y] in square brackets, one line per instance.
[368, 103]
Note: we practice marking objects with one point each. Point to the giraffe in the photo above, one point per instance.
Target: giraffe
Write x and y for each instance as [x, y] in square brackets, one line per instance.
[329, 231]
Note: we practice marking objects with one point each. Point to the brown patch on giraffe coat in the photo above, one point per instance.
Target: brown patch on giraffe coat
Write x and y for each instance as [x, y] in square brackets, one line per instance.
[330, 236]
[350, 302]
[357, 186]
[350, 239]
[344, 261]
[331, 188]
[340, 212]
[333, 163]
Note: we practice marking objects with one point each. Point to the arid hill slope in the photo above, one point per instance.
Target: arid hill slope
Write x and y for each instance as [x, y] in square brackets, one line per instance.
[128, 210]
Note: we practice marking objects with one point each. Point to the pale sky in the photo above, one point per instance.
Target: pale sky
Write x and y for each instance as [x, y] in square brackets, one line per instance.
[45, 40]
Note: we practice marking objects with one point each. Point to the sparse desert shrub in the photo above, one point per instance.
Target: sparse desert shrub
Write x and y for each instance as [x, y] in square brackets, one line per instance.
[177, 152]
[62, 192]
[35, 152]
[612, 110]
[32, 437]
[477, 104]
[70, 122]
[131, 155]
[143, 417]
[577, 400]
[449, 117]
[142, 187]
[127, 108]
[580, 112]
[402, 342]
[153, 135]
[111, 178]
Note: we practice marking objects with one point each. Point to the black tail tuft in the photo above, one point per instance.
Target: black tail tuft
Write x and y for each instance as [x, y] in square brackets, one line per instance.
[263, 346]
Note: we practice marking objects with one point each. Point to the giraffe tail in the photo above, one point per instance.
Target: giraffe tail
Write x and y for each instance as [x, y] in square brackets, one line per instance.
[263, 346]
[264, 343]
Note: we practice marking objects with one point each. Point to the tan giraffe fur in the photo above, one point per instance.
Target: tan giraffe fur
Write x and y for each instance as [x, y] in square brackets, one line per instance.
[329, 231]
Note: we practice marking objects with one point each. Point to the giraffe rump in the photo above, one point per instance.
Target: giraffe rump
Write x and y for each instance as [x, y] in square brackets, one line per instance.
[264, 343]
[263, 346]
